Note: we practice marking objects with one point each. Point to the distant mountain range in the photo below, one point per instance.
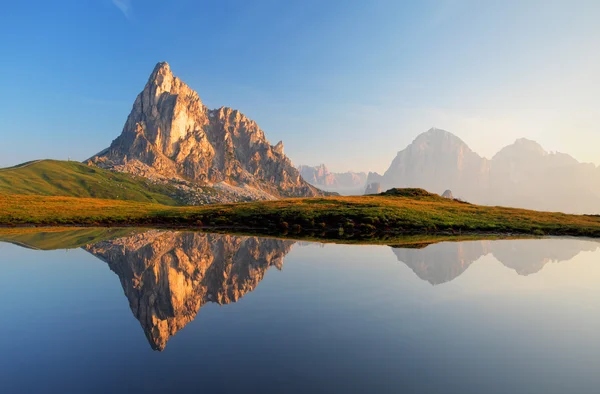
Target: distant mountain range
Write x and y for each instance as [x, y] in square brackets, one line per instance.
[521, 175]
[175, 150]
[170, 136]
[322, 178]
[444, 262]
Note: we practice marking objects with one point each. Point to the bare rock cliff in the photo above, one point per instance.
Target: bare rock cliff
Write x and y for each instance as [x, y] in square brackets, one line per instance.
[171, 135]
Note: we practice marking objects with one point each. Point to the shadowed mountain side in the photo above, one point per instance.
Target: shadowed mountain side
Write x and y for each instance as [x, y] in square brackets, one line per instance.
[168, 276]
[443, 262]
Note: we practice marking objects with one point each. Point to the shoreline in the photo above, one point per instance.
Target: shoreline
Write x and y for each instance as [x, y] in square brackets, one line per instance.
[403, 214]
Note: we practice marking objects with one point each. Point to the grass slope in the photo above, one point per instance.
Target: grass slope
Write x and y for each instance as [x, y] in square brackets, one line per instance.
[403, 211]
[73, 179]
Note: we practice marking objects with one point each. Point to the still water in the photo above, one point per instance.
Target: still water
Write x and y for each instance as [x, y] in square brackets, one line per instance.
[161, 311]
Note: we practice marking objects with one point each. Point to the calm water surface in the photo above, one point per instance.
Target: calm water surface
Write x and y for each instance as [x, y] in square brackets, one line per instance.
[164, 311]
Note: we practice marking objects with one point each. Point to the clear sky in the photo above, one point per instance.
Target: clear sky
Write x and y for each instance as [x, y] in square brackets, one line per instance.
[347, 83]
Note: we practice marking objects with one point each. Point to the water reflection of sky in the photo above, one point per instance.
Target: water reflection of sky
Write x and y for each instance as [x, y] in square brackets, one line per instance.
[333, 319]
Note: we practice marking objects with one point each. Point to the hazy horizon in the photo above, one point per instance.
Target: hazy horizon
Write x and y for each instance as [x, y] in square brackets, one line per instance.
[339, 82]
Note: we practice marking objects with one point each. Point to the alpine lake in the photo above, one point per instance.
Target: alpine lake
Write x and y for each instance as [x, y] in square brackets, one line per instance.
[145, 311]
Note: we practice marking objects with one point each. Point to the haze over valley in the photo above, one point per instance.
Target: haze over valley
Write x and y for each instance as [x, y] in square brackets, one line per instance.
[522, 175]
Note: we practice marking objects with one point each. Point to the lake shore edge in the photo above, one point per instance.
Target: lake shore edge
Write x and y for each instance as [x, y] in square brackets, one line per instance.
[402, 213]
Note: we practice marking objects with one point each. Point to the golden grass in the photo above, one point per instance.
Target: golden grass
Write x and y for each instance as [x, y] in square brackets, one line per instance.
[51, 238]
[327, 217]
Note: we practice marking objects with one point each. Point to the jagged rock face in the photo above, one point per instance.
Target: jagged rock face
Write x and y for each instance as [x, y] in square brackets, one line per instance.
[521, 175]
[444, 262]
[320, 176]
[373, 188]
[168, 276]
[170, 134]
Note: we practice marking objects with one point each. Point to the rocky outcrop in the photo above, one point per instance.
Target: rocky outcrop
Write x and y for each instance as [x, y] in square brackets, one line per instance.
[168, 276]
[521, 175]
[321, 177]
[448, 194]
[373, 188]
[171, 136]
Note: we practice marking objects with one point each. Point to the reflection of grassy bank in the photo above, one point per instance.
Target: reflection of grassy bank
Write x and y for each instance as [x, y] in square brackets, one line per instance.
[414, 241]
[403, 212]
[51, 238]
[59, 237]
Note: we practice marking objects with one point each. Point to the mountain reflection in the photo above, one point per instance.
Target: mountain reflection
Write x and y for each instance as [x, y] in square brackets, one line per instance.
[443, 262]
[168, 276]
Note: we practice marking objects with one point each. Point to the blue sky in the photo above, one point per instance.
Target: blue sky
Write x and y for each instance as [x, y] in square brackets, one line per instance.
[346, 83]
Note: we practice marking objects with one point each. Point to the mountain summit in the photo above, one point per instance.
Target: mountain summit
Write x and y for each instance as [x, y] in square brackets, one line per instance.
[436, 160]
[321, 177]
[170, 135]
[521, 175]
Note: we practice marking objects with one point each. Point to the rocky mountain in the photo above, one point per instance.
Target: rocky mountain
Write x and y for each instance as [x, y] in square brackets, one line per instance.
[521, 175]
[168, 276]
[321, 177]
[373, 188]
[171, 136]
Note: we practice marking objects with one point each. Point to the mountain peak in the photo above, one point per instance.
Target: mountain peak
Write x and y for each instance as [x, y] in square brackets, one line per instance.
[162, 80]
[527, 142]
[170, 134]
[161, 68]
[320, 176]
[161, 71]
[522, 146]
[435, 130]
[435, 135]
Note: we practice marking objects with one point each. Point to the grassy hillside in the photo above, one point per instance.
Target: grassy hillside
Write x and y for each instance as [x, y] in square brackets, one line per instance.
[73, 179]
[407, 211]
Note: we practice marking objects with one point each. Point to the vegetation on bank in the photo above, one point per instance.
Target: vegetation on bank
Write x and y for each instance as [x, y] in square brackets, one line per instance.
[73, 179]
[53, 238]
[401, 211]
